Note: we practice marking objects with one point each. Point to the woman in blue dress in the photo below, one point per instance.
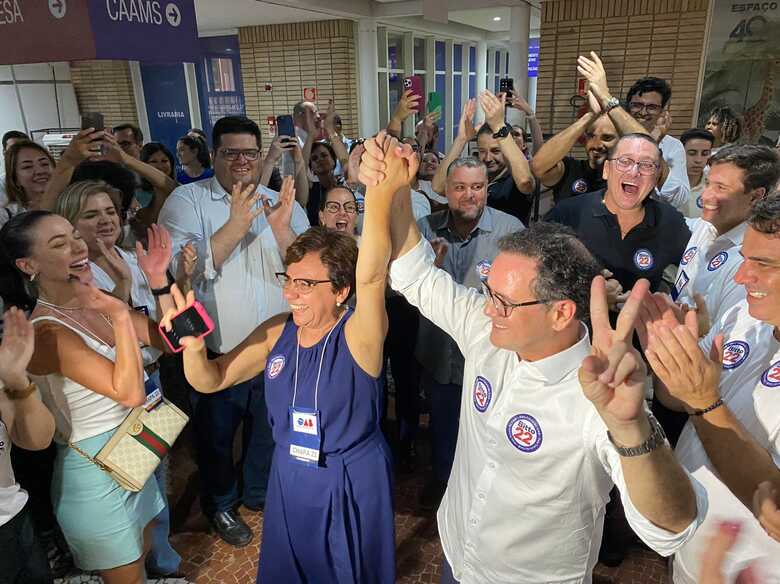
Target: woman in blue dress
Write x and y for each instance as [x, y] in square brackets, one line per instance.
[329, 510]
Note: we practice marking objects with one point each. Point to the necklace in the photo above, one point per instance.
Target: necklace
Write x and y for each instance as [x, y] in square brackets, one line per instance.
[57, 306]
[82, 326]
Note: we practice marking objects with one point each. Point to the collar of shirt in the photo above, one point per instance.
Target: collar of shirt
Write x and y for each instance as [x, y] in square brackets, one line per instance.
[553, 369]
[735, 235]
[218, 192]
[649, 220]
[442, 221]
[501, 176]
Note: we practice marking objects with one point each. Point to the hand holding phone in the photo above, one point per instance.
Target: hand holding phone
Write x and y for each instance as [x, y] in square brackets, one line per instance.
[507, 86]
[285, 126]
[190, 320]
[93, 120]
[415, 85]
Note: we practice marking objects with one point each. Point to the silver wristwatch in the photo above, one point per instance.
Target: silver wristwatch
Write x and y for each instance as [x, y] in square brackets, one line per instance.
[657, 438]
[611, 104]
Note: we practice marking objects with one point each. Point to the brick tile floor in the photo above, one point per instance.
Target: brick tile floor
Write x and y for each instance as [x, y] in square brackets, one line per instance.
[207, 560]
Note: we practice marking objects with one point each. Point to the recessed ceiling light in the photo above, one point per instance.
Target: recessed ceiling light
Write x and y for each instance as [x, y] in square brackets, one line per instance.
[496, 18]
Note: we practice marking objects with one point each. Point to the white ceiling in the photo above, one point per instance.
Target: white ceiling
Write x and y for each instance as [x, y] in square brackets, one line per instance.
[219, 16]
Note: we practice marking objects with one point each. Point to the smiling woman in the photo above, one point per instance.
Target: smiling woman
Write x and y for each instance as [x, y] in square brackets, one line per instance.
[29, 168]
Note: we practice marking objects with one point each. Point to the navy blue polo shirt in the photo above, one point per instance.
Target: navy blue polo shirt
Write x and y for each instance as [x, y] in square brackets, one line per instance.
[657, 242]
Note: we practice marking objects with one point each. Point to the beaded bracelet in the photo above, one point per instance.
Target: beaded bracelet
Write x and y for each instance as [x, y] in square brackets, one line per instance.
[714, 406]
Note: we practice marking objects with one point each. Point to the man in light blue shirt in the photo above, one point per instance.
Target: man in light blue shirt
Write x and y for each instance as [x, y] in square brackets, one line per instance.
[240, 232]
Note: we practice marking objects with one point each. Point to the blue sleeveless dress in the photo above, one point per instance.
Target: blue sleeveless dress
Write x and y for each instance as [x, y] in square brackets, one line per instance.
[331, 523]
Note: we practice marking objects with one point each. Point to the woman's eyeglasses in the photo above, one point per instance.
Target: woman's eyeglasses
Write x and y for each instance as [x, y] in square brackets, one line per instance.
[334, 207]
[300, 285]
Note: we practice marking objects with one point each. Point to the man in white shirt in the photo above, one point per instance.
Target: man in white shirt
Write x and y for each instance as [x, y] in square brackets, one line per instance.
[738, 177]
[240, 233]
[647, 101]
[698, 149]
[534, 463]
[731, 443]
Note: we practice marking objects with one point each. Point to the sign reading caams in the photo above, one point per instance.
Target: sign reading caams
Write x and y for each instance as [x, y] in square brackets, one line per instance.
[70, 30]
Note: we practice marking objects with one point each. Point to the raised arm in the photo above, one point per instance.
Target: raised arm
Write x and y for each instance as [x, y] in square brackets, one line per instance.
[495, 116]
[329, 123]
[29, 422]
[367, 329]
[158, 179]
[466, 133]
[612, 378]
[547, 163]
[59, 350]
[536, 130]
[407, 105]
[241, 364]
[84, 145]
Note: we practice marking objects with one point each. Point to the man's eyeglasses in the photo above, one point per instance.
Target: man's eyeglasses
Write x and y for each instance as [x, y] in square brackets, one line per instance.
[626, 164]
[503, 307]
[637, 106]
[335, 207]
[300, 285]
[232, 154]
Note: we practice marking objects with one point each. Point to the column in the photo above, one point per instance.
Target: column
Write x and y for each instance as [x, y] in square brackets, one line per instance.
[368, 64]
[482, 72]
[519, 31]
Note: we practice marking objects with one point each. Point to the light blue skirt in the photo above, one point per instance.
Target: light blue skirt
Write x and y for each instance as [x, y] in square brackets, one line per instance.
[102, 522]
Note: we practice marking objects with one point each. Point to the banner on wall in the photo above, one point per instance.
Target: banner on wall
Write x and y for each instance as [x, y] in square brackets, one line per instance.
[167, 104]
[533, 57]
[34, 31]
[742, 67]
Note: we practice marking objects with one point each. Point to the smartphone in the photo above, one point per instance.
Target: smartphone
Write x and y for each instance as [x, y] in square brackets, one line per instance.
[415, 84]
[507, 86]
[190, 322]
[434, 101]
[93, 120]
[285, 126]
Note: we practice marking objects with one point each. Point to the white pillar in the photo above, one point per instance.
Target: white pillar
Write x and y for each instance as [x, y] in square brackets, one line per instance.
[368, 64]
[140, 99]
[519, 31]
[193, 99]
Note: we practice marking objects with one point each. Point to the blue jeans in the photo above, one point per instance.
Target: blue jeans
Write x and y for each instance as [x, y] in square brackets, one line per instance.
[215, 419]
[162, 558]
[445, 417]
[446, 573]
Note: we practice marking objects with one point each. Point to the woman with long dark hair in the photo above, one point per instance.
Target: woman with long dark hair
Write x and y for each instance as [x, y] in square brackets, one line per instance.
[194, 159]
[88, 366]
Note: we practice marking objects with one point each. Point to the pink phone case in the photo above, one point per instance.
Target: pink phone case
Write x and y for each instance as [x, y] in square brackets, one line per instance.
[203, 315]
[415, 83]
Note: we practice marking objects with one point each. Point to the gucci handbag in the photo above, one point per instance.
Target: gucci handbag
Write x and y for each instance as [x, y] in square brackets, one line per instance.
[139, 443]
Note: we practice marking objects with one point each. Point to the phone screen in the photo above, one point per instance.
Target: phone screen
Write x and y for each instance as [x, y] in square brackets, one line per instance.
[285, 126]
[92, 120]
[187, 324]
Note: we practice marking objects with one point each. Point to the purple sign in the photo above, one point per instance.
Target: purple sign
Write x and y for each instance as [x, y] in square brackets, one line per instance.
[145, 30]
[533, 57]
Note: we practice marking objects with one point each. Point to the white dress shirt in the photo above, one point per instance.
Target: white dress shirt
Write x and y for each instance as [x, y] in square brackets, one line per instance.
[708, 267]
[676, 188]
[244, 291]
[749, 386]
[694, 206]
[533, 465]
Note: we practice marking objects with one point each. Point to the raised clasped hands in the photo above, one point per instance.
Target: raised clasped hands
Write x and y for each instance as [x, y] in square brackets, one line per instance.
[386, 164]
[592, 69]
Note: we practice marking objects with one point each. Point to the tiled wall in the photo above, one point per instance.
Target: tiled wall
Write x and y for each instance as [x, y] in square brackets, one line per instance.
[663, 38]
[105, 87]
[291, 57]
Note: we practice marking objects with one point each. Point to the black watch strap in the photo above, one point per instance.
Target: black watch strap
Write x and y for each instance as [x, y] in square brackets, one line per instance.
[502, 133]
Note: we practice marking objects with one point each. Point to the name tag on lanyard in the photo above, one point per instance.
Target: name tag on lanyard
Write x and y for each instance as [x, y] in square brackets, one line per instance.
[306, 437]
[153, 394]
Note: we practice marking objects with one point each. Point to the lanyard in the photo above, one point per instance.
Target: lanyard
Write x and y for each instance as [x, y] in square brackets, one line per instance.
[322, 358]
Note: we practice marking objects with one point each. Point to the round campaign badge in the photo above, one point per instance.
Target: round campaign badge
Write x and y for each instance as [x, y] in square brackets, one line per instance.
[524, 432]
[689, 254]
[717, 261]
[735, 353]
[580, 186]
[771, 377]
[275, 366]
[483, 393]
[643, 259]
[483, 270]
[699, 202]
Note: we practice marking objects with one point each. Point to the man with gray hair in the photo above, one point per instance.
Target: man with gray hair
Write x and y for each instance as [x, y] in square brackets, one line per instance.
[466, 236]
[548, 422]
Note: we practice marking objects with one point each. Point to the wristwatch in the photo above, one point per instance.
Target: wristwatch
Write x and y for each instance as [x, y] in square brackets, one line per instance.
[657, 438]
[611, 104]
[502, 133]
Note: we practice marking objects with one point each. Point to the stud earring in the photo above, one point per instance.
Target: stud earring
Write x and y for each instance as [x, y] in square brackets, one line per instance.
[338, 304]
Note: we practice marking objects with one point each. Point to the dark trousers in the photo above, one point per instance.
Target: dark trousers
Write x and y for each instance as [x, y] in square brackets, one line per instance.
[403, 320]
[215, 419]
[446, 572]
[22, 559]
[33, 470]
[445, 419]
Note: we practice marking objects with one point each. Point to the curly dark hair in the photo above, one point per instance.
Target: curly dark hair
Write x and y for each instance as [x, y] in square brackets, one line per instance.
[565, 268]
[338, 252]
[729, 122]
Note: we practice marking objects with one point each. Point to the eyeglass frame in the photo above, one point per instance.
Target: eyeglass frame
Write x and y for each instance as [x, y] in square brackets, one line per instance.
[341, 206]
[233, 154]
[506, 308]
[638, 106]
[296, 282]
[635, 164]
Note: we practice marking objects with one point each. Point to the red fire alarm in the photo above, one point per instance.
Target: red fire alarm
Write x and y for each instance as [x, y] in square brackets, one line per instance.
[268, 87]
[310, 93]
[581, 83]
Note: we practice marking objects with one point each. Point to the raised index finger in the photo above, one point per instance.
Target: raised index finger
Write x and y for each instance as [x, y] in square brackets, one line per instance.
[630, 312]
[599, 308]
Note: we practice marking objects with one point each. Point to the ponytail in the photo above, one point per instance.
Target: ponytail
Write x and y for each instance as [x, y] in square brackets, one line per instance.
[16, 288]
